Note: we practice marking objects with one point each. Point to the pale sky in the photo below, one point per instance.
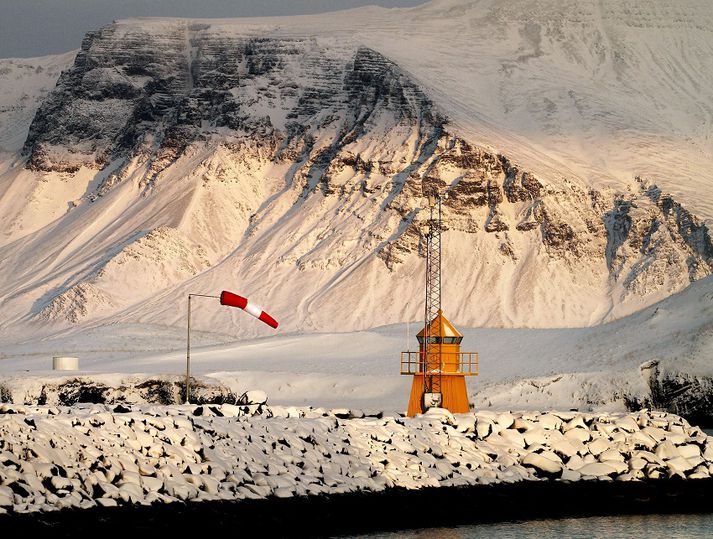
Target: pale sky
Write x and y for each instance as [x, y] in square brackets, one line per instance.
[39, 27]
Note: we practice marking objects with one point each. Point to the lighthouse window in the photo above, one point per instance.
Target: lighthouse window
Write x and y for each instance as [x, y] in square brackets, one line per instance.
[431, 340]
[446, 340]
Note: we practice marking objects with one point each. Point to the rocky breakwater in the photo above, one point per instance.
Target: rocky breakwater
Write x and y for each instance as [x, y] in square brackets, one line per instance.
[53, 458]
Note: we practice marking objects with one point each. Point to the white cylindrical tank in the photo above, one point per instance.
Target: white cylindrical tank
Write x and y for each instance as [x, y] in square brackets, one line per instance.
[65, 363]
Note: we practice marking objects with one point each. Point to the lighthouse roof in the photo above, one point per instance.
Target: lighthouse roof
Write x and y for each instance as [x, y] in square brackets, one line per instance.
[440, 327]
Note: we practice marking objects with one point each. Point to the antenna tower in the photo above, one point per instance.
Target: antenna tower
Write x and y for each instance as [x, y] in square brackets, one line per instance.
[432, 372]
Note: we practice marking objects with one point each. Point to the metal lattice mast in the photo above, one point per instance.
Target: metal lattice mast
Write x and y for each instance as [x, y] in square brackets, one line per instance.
[432, 350]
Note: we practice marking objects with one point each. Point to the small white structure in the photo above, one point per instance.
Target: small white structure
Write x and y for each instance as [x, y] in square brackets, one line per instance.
[65, 363]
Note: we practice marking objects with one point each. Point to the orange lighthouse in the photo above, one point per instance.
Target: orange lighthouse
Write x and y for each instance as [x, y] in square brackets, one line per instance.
[447, 367]
[439, 367]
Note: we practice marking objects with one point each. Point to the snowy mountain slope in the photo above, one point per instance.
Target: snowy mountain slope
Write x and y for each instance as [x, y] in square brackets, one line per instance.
[286, 159]
[603, 89]
[25, 82]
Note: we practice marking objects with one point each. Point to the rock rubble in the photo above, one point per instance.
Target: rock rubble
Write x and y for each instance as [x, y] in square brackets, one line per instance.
[56, 457]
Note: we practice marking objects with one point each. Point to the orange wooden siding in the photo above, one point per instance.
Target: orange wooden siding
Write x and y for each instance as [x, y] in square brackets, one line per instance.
[453, 389]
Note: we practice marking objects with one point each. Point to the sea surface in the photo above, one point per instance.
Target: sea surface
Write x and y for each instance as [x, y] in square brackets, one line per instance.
[628, 526]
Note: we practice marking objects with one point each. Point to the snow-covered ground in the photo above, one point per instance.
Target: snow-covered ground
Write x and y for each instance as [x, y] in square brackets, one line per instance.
[586, 95]
[586, 368]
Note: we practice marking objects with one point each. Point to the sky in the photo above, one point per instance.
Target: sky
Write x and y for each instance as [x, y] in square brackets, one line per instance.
[31, 28]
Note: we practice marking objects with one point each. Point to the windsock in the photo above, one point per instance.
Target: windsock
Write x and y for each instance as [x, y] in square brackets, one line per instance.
[233, 300]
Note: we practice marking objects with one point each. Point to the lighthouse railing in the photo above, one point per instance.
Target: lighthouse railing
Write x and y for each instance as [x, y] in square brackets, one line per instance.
[455, 363]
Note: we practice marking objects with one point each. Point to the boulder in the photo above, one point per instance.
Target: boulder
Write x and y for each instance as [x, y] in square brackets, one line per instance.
[6, 496]
[341, 413]
[656, 433]
[640, 439]
[627, 424]
[152, 484]
[60, 483]
[283, 493]
[679, 465]
[677, 438]
[597, 469]
[648, 456]
[535, 436]
[708, 452]
[440, 414]
[131, 493]
[618, 465]
[637, 463]
[549, 422]
[542, 464]
[689, 451]
[130, 477]
[513, 437]
[570, 475]
[551, 456]
[653, 473]
[483, 427]
[576, 422]
[565, 416]
[575, 462]
[598, 446]
[666, 450]
[611, 454]
[505, 420]
[564, 448]
[254, 397]
[465, 423]
[523, 425]
[580, 435]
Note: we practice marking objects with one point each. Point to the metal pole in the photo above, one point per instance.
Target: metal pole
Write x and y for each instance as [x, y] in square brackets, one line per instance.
[426, 335]
[188, 353]
[408, 334]
[440, 340]
[188, 345]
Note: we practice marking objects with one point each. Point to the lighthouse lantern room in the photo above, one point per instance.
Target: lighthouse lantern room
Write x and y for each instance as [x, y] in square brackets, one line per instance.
[438, 367]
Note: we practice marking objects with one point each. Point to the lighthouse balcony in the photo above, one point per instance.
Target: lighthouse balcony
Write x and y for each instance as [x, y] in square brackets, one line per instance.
[450, 363]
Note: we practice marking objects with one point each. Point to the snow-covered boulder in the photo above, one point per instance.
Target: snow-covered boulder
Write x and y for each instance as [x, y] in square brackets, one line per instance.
[541, 463]
[253, 397]
[597, 469]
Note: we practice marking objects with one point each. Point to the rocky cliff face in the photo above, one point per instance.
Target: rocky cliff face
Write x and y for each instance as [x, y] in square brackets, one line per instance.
[264, 158]
[679, 391]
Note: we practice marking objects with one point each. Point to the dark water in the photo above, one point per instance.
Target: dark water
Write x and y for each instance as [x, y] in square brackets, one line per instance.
[633, 527]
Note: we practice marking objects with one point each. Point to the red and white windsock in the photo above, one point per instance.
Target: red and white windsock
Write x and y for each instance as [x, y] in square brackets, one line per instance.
[233, 300]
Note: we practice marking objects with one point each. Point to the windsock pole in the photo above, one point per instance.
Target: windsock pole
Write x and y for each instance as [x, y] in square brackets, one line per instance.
[188, 345]
[230, 300]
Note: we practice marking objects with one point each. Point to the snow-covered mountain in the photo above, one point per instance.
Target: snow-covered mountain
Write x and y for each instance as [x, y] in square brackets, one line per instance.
[286, 159]
[25, 83]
